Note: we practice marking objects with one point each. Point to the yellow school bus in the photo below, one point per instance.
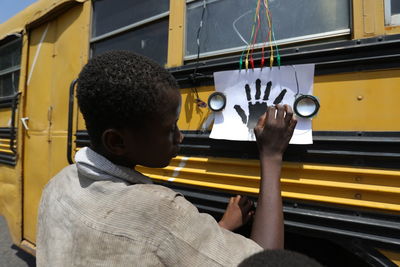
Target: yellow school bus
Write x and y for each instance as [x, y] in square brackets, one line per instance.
[341, 194]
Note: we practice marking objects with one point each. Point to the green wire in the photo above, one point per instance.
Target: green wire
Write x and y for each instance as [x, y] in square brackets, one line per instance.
[251, 37]
[278, 56]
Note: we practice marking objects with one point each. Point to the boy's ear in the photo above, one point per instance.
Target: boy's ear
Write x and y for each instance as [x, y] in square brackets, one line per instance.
[113, 142]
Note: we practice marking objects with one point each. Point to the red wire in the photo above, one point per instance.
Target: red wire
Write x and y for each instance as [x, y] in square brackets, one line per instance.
[255, 35]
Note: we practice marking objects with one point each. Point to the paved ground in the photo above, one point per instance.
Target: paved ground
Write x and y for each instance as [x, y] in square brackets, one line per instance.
[11, 255]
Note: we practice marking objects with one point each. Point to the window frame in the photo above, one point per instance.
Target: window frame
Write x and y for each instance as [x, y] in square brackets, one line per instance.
[5, 100]
[388, 14]
[287, 41]
[125, 29]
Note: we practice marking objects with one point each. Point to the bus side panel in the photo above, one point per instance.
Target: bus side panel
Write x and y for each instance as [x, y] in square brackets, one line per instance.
[11, 176]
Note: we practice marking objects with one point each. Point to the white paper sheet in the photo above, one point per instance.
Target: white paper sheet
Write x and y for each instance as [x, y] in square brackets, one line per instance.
[230, 125]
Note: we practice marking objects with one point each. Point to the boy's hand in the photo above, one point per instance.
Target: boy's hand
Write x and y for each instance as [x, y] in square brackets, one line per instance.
[239, 212]
[274, 130]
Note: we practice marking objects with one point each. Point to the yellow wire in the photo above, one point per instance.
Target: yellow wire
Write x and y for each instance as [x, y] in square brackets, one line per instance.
[271, 58]
[252, 34]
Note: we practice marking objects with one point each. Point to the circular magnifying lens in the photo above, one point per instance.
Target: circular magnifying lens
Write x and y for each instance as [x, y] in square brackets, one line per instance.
[306, 106]
[217, 101]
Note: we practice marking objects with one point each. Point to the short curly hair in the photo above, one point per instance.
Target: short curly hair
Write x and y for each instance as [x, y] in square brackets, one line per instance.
[121, 89]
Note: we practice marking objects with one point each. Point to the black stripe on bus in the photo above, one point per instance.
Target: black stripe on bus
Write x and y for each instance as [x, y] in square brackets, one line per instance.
[358, 149]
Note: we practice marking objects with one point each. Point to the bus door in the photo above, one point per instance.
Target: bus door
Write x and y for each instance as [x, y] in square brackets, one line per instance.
[57, 51]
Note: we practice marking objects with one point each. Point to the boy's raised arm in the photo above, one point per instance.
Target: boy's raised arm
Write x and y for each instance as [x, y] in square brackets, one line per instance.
[273, 133]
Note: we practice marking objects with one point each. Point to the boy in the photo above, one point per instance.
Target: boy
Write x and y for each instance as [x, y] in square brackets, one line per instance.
[101, 212]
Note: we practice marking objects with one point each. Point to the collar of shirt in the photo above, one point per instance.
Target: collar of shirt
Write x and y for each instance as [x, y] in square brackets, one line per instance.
[97, 167]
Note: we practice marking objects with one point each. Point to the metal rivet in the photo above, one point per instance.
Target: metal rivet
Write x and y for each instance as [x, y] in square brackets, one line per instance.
[357, 196]
[360, 97]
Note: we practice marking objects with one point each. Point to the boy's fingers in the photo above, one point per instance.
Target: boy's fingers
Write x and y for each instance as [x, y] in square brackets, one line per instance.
[280, 112]
[249, 216]
[261, 120]
[292, 125]
[248, 205]
[242, 201]
[237, 199]
[289, 114]
[271, 113]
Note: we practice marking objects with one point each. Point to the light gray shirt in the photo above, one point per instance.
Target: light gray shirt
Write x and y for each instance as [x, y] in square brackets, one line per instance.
[96, 213]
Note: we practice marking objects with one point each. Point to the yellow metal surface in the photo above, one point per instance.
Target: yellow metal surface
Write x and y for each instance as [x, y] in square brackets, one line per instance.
[368, 18]
[59, 58]
[392, 29]
[192, 116]
[176, 33]
[362, 101]
[5, 117]
[32, 13]
[361, 187]
[393, 256]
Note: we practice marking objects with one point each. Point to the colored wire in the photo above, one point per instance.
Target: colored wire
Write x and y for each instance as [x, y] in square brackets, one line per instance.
[198, 37]
[199, 102]
[278, 56]
[270, 39]
[271, 58]
[255, 35]
[251, 37]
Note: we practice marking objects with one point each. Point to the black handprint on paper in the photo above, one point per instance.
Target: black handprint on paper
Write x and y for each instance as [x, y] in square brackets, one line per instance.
[259, 107]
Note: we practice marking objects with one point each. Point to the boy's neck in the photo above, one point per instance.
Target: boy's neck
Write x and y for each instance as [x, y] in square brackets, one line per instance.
[116, 160]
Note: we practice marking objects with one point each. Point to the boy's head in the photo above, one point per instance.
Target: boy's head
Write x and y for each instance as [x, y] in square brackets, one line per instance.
[131, 106]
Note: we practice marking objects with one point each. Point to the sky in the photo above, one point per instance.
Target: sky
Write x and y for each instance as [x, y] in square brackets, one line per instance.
[8, 8]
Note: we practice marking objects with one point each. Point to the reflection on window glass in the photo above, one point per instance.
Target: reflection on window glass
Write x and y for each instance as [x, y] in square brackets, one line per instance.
[392, 12]
[150, 40]
[10, 55]
[228, 23]
[395, 5]
[10, 60]
[9, 83]
[110, 15]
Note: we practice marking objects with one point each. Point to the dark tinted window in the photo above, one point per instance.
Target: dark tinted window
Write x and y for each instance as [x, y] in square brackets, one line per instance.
[9, 83]
[10, 55]
[395, 7]
[115, 14]
[150, 40]
[10, 60]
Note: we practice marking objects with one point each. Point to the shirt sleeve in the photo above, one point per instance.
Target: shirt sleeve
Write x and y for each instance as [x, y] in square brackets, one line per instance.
[196, 239]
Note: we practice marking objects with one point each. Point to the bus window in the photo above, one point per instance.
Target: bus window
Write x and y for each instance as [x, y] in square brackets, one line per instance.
[10, 58]
[138, 26]
[392, 12]
[227, 24]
